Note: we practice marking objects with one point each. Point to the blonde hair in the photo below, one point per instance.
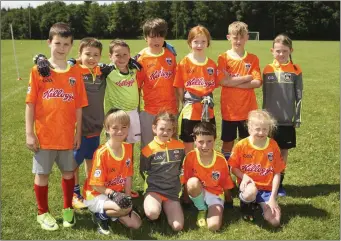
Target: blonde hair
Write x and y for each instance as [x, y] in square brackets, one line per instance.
[238, 28]
[198, 30]
[166, 116]
[286, 41]
[262, 116]
[118, 116]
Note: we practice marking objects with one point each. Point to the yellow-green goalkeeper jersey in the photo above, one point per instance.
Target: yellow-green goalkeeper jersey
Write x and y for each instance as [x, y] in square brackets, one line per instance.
[121, 91]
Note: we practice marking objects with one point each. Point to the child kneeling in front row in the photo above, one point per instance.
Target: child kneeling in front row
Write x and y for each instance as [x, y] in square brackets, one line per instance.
[257, 163]
[112, 171]
[206, 176]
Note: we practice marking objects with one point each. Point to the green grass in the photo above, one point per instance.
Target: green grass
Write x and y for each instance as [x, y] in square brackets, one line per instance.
[310, 211]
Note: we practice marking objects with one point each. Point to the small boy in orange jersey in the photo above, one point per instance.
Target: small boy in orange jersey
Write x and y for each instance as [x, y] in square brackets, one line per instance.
[156, 77]
[206, 177]
[237, 94]
[53, 109]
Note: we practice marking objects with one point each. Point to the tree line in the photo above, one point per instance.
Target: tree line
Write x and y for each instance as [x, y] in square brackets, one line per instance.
[305, 20]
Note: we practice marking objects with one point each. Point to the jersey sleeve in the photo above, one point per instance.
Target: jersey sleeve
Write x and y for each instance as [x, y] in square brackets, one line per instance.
[185, 171]
[298, 84]
[145, 160]
[179, 76]
[81, 96]
[141, 75]
[226, 180]
[234, 160]
[32, 89]
[221, 68]
[130, 155]
[264, 87]
[255, 70]
[97, 176]
[279, 164]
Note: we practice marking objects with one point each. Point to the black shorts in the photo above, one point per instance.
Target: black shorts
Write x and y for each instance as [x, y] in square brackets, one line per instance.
[187, 129]
[285, 136]
[229, 130]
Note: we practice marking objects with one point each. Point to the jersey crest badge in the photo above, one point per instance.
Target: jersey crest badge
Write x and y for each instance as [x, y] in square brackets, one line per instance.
[215, 175]
[270, 156]
[287, 77]
[247, 66]
[210, 71]
[72, 81]
[97, 173]
[169, 61]
[28, 89]
[128, 161]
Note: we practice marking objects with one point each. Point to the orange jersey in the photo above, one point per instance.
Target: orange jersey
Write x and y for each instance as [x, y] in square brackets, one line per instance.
[56, 99]
[198, 79]
[215, 178]
[236, 103]
[156, 81]
[259, 164]
[109, 170]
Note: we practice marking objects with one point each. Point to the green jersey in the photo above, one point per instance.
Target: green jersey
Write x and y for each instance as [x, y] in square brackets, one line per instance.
[121, 91]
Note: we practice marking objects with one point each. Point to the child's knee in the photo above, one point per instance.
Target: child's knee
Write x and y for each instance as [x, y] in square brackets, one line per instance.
[152, 213]
[250, 192]
[213, 226]
[176, 226]
[193, 186]
[136, 224]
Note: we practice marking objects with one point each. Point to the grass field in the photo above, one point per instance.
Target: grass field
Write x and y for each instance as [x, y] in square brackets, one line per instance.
[310, 211]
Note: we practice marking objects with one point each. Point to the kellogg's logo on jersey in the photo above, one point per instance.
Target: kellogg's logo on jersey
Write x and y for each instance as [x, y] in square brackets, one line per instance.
[215, 175]
[169, 61]
[160, 74]
[210, 70]
[200, 82]
[72, 81]
[118, 180]
[125, 82]
[58, 93]
[257, 168]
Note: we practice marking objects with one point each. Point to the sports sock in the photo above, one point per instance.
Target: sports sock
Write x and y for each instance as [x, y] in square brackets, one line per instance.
[102, 216]
[77, 190]
[42, 198]
[226, 154]
[199, 201]
[67, 185]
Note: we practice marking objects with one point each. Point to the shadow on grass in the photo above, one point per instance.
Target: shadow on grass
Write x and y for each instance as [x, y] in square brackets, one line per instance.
[312, 190]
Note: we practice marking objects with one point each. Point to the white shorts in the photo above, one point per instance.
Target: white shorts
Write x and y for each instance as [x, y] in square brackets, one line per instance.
[212, 199]
[96, 205]
[134, 134]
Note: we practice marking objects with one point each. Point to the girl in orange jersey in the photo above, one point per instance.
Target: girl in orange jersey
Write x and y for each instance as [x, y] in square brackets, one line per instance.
[257, 163]
[206, 177]
[282, 96]
[160, 165]
[195, 80]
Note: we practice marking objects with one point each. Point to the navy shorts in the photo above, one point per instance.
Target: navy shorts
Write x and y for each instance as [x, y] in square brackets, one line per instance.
[87, 149]
[263, 196]
[229, 130]
[285, 136]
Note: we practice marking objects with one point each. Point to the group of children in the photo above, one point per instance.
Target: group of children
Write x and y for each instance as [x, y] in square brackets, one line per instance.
[149, 99]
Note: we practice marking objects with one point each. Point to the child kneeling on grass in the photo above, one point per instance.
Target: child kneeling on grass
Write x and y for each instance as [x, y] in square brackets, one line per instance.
[206, 176]
[112, 171]
[257, 163]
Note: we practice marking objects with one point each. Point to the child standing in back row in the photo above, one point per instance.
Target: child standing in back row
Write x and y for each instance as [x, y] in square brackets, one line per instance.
[156, 78]
[282, 96]
[195, 80]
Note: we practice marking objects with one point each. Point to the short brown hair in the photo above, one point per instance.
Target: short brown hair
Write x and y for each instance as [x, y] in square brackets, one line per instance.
[198, 30]
[156, 27]
[90, 42]
[238, 28]
[166, 116]
[204, 129]
[61, 29]
[117, 42]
